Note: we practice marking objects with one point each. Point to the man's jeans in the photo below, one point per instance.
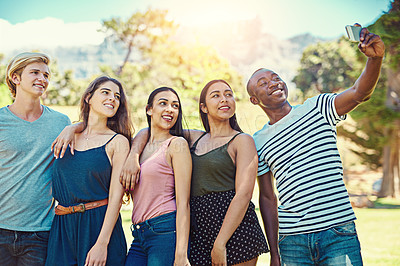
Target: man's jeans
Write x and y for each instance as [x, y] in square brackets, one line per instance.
[153, 242]
[336, 246]
[23, 248]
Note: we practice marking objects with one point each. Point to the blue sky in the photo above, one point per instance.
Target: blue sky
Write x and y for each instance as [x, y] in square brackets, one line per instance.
[282, 18]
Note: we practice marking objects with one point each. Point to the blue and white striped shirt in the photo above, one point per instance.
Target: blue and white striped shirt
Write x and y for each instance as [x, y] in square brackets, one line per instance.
[301, 152]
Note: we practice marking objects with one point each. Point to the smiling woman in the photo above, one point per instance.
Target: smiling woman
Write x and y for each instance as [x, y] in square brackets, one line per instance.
[86, 184]
[160, 214]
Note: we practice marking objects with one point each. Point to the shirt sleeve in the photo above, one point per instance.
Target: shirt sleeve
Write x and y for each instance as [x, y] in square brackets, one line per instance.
[259, 140]
[326, 105]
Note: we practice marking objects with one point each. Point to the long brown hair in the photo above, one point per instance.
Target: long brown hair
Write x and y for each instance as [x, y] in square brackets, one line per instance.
[120, 122]
[202, 102]
[177, 129]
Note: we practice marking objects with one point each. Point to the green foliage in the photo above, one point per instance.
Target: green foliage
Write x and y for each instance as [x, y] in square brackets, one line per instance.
[160, 61]
[5, 95]
[372, 119]
[141, 32]
[63, 89]
[334, 66]
[186, 68]
[327, 67]
[387, 26]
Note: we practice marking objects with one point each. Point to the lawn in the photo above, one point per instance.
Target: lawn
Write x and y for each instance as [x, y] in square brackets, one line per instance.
[378, 231]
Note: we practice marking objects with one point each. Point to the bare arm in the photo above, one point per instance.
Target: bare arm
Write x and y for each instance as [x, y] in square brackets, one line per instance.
[246, 172]
[131, 168]
[373, 47]
[98, 253]
[67, 136]
[182, 165]
[192, 135]
[269, 213]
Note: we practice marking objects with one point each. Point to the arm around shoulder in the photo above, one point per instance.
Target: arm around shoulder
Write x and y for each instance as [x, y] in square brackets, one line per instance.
[130, 172]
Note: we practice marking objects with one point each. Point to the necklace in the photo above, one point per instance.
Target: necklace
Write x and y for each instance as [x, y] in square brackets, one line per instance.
[86, 136]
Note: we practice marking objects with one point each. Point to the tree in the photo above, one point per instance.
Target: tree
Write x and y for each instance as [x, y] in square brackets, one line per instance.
[327, 67]
[387, 26]
[63, 89]
[333, 66]
[162, 61]
[141, 32]
[186, 68]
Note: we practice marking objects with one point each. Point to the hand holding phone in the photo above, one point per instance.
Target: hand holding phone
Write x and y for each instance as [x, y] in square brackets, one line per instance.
[353, 32]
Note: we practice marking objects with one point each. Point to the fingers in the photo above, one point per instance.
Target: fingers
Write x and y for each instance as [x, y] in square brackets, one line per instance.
[72, 146]
[63, 149]
[56, 150]
[129, 178]
[134, 180]
[122, 179]
[52, 144]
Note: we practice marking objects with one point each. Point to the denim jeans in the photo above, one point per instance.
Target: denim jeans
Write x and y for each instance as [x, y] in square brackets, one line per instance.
[338, 245]
[23, 248]
[153, 242]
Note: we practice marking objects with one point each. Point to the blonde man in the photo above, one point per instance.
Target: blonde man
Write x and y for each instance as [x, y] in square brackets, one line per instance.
[27, 129]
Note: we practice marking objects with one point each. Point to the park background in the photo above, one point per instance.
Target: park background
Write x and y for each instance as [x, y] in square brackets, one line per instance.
[184, 44]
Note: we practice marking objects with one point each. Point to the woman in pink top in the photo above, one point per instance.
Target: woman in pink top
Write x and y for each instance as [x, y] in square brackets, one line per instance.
[161, 214]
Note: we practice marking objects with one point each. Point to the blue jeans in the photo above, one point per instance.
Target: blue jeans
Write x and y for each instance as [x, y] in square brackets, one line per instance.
[153, 242]
[23, 248]
[338, 245]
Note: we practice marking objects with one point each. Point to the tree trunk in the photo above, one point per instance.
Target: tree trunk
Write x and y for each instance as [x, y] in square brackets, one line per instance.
[126, 59]
[391, 152]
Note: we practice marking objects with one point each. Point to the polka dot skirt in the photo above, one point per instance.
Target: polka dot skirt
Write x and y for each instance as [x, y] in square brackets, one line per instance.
[207, 214]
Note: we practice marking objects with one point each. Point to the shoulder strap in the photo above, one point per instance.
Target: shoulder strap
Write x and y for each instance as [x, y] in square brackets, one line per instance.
[233, 138]
[195, 143]
[168, 141]
[111, 139]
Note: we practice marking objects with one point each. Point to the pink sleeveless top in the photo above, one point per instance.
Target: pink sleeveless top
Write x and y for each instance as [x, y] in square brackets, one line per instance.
[154, 194]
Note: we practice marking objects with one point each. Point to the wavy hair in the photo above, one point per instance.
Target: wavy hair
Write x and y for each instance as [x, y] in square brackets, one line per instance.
[120, 122]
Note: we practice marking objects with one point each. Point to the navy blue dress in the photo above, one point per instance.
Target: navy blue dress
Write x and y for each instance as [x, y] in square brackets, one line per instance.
[81, 178]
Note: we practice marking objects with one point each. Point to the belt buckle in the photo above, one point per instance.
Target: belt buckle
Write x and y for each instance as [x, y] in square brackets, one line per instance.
[83, 208]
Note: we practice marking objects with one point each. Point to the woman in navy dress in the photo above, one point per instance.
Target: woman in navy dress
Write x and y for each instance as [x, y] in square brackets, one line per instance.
[87, 228]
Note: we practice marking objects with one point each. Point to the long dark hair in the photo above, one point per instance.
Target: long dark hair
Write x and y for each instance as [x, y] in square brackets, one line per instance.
[202, 102]
[177, 129]
[120, 122]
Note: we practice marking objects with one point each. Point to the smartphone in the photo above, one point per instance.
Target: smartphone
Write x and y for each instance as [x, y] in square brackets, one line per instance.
[353, 32]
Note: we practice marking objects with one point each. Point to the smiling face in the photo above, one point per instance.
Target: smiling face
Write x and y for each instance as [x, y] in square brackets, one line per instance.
[267, 89]
[33, 80]
[106, 99]
[164, 110]
[219, 102]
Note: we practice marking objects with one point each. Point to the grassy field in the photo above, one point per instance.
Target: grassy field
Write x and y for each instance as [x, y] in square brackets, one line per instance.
[378, 231]
[378, 227]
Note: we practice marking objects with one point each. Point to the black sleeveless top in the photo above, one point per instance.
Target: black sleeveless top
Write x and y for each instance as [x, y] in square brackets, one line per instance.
[213, 171]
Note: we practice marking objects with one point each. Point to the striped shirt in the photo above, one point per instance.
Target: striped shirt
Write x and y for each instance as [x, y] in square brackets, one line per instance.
[301, 152]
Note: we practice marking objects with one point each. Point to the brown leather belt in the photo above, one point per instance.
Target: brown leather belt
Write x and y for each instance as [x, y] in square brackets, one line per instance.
[61, 210]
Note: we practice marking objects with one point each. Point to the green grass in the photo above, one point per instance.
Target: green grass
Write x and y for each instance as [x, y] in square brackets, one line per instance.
[379, 234]
[378, 231]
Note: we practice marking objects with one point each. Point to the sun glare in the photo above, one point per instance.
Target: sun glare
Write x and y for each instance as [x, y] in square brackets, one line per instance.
[208, 12]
